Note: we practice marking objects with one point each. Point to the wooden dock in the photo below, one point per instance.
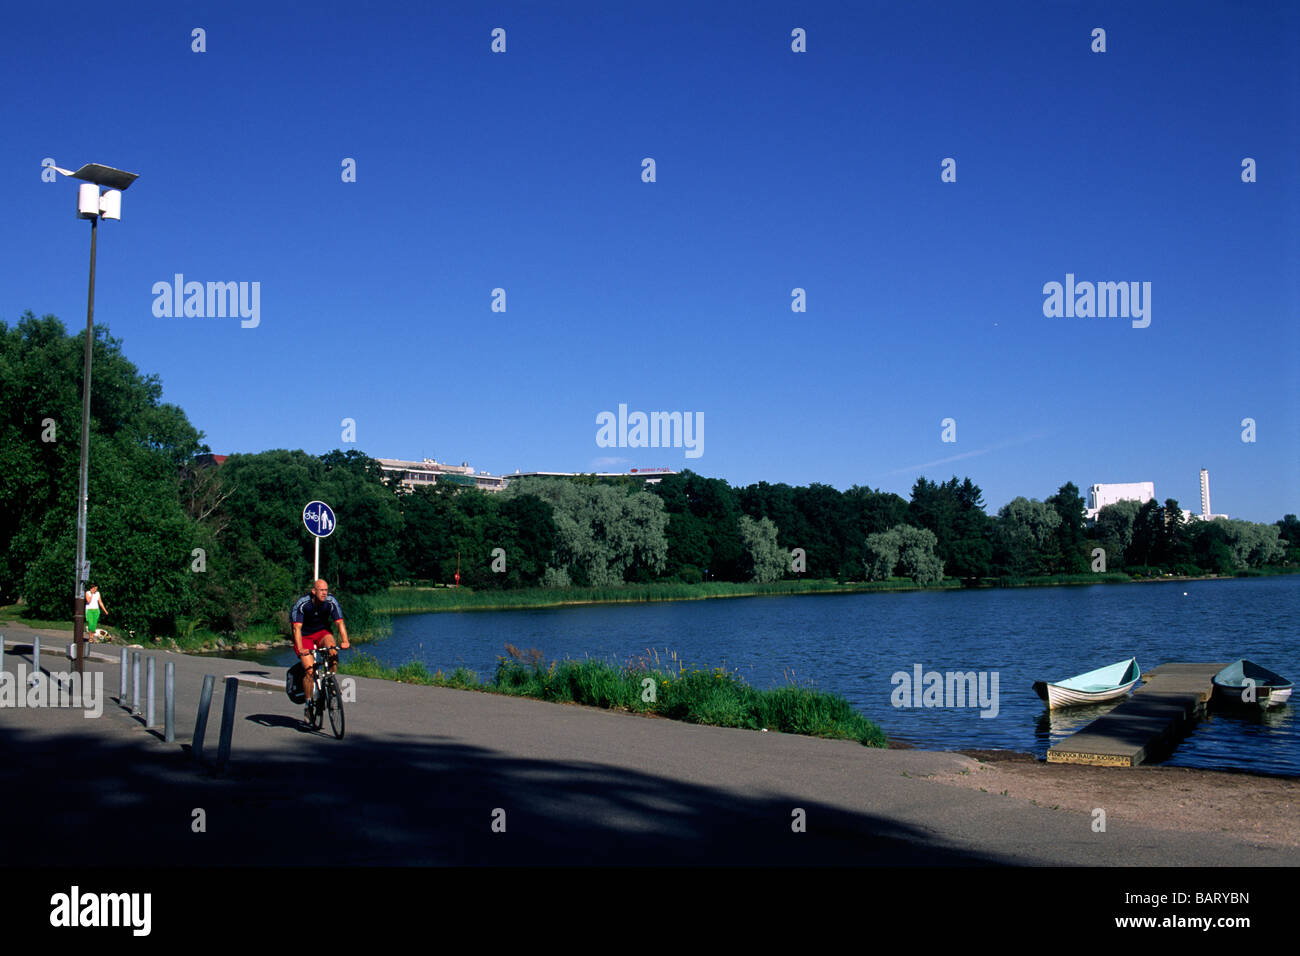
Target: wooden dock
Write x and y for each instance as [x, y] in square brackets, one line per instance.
[1159, 713]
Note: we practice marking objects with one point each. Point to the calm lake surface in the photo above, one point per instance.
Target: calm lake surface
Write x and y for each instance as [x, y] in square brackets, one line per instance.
[852, 644]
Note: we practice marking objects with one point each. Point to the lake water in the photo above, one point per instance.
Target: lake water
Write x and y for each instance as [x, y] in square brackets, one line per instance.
[852, 644]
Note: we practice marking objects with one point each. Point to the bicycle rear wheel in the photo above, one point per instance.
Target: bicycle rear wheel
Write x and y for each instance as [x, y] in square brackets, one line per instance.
[334, 704]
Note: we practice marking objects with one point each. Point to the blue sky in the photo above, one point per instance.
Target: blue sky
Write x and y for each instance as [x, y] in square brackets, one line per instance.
[775, 170]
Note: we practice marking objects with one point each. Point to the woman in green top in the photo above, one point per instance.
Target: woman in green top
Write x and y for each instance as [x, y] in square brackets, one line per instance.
[94, 604]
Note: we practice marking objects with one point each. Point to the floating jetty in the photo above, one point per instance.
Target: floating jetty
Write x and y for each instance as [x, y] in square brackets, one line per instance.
[1171, 697]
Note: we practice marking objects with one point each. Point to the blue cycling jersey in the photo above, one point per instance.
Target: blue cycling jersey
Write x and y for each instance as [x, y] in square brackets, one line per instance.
[315, 616]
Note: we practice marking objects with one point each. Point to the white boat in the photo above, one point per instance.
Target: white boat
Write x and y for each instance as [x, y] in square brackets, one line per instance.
[1094, 687]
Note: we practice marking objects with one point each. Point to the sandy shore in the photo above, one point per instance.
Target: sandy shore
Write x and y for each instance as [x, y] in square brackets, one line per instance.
[1260, 809]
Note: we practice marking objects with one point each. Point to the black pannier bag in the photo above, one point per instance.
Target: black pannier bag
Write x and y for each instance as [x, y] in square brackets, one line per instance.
[293, 683]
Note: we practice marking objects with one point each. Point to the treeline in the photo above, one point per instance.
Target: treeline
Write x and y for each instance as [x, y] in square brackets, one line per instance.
[690, 528]
[175, 545]
[172, 546]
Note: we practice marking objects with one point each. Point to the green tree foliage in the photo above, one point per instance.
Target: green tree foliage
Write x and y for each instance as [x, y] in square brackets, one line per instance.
[703, 531]
[1252, 545]
[1071, 554]
[916, 555]
[266, 493]
[766, 557]
[138, 536]
[1174, 548]
[1289, 532]
[880, 555]
[954, 513]
[1148, 534]
[907, 548]
[1024, 537]
[1112, 531]
[604, 534]
[446, 527]
[831, 527]
[1211, 546]
[867, 512]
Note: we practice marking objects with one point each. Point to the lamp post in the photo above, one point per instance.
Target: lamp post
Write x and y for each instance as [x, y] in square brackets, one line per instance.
[92, 205]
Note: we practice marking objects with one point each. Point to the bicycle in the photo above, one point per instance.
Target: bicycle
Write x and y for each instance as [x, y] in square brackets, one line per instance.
[326, 698]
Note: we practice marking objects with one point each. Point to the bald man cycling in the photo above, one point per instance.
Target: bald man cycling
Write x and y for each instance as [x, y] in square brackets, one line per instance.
[312, 617]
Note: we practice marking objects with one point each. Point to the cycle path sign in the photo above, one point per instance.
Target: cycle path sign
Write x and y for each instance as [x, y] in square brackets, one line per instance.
[318, 518]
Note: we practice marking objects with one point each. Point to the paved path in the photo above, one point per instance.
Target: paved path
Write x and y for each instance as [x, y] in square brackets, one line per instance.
[423, 772]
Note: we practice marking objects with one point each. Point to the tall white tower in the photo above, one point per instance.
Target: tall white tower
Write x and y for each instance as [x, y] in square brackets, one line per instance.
[1205, 493]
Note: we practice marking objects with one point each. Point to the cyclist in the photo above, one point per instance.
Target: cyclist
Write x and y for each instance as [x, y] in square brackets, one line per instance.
[313, 616]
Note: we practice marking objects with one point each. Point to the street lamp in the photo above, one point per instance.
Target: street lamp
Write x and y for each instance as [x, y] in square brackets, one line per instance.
[92, 205]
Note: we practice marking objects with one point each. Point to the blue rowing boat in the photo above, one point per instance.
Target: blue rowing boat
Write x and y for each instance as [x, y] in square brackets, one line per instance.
[1245, 682]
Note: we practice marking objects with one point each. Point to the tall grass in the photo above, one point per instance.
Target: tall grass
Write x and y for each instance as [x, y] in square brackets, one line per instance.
[407, 600]
[672, 689]
[1056, 580]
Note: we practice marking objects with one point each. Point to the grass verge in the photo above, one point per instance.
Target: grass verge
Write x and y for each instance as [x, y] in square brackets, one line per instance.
[715, 696]
[413, 600]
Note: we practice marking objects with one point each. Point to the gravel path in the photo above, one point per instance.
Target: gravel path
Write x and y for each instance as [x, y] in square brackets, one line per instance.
[1261, 809]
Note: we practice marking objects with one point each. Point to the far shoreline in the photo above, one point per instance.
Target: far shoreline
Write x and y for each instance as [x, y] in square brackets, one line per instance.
[387, 604]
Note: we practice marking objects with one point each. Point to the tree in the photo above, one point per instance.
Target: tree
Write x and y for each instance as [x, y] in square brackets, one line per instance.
[1148, 532]
[703, 527]
[604, 534]
[1070, 556]
[1113, 531]
[1252, 545]
[138, 537]
[1289, 531]
[907, 547]
[916, 555]
[867, 512]
[1024, 537]
[1173, 541]
[766, 557]
[881, 554]
[971, 553]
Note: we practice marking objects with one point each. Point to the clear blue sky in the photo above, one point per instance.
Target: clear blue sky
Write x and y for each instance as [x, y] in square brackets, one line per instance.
[775, 170]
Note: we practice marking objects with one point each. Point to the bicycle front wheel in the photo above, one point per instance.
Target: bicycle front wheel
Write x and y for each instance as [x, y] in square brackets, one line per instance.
[334, 704]
[318, 707]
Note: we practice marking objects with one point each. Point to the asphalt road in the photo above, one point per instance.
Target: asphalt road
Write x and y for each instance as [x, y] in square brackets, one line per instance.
[428, 775]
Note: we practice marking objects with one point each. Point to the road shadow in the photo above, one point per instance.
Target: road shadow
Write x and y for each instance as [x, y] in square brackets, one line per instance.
[414, 799]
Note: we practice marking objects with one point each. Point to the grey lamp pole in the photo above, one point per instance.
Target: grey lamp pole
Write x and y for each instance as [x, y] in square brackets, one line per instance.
[90, 205]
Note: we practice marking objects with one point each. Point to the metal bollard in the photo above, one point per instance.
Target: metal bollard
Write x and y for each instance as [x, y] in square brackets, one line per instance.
[201, 718]
[135, 682]
[121, 696]
[2, 653]
[36, 655]
[169, 702]
[148, 692]
[227, 723]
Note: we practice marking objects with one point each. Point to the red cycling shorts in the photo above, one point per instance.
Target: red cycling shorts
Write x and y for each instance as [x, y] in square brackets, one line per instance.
[309, 641]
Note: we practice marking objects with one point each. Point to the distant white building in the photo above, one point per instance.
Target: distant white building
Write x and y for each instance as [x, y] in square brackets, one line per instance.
[413, 474]
[1099, 496]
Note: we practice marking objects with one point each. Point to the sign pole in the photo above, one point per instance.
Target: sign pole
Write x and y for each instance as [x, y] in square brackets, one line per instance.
[316, 566]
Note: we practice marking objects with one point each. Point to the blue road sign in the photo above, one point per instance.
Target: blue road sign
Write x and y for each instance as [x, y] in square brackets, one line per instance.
[319, 519]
